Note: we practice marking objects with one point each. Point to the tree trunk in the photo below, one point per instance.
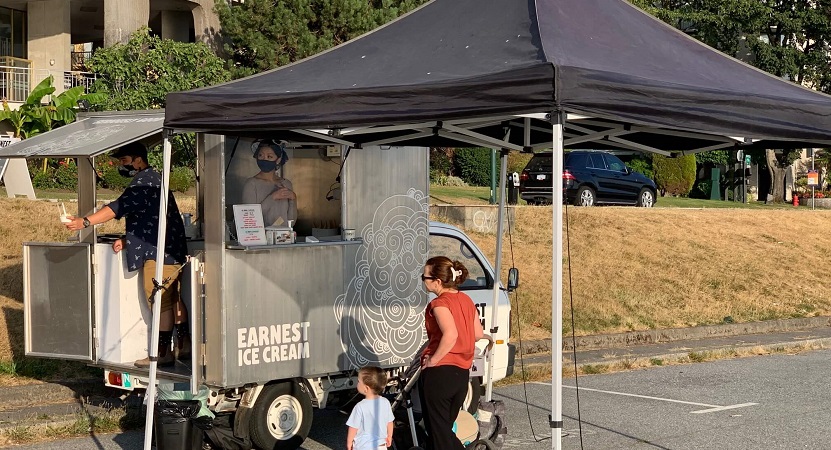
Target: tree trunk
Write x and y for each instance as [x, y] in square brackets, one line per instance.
[777, 177]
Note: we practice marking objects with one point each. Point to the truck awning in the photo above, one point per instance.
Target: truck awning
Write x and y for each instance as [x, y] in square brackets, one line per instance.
[91, 135]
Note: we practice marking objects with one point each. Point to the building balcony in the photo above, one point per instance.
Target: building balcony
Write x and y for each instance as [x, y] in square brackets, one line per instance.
[18, 78]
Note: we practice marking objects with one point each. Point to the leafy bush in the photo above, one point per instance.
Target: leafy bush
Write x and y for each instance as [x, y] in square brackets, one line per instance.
[64, 175]
[641, 165]
[714, 157]
[444, 180]
[518, 161]
[473, 165]
[109, 177]
[441, 162]
[674, 176]
[181, 179]
[702, 189]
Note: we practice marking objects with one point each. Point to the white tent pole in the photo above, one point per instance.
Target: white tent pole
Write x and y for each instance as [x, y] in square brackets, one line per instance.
[556, 418]
[157, 301]
[500, 222]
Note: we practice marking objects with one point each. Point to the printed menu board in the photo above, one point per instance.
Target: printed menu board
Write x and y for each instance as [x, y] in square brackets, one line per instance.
[248, 219]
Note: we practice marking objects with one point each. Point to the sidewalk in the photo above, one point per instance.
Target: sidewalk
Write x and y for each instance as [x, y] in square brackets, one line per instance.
[775, 335]
[59, 404]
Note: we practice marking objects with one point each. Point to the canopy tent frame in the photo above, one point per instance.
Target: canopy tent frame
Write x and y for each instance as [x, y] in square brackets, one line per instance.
[525, 64]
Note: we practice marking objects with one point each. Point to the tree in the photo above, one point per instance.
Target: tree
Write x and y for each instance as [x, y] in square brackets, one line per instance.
[264, 34]
[139, 75]
[787, 38]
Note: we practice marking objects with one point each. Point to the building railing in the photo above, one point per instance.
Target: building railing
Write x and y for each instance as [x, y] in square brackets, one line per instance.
[16, 83]
[77, 78]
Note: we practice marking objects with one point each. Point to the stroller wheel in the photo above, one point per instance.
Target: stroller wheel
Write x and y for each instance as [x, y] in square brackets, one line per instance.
[481, 444]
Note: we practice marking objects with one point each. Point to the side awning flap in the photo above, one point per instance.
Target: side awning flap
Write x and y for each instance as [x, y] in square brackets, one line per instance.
[91, 135]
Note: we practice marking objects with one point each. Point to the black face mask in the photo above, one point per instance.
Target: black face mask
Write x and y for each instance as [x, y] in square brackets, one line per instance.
[127, 170]
[266, 165]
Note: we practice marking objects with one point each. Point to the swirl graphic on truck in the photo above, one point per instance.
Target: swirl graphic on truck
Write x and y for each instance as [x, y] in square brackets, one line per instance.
[380, 316]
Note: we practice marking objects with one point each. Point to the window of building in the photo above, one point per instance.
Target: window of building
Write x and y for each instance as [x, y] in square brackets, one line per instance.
[13, 33]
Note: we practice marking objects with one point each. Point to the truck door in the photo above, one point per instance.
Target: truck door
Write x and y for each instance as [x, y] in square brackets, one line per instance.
[479, 282]
[57, 300]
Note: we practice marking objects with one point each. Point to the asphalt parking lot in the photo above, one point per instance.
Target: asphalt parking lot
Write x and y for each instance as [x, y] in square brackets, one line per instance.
[766, 402]
[771, 402]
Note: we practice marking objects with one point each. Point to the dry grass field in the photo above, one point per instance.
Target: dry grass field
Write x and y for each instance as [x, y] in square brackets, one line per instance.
[636, 269]
[631, 268]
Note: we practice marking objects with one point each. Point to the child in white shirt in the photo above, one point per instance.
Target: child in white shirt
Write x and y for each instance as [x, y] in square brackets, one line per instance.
[371, 421]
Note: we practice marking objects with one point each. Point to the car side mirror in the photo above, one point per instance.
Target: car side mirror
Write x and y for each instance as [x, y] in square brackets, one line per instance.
[513, 279]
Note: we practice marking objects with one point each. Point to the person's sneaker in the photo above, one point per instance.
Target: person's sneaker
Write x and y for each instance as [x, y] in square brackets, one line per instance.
[182, 349]
[164, 361]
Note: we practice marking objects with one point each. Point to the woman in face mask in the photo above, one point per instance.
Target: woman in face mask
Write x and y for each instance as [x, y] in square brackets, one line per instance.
[273, 192]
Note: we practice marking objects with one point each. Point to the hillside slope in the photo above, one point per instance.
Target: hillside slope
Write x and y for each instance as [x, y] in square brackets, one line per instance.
[632, 268]
[635, 268]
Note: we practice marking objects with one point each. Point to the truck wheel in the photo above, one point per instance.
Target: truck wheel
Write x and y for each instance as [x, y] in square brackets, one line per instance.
[281, 418]
[474, 392]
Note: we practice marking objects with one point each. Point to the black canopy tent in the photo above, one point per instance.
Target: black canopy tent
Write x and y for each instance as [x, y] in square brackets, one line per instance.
[466, 59]
[558, 73]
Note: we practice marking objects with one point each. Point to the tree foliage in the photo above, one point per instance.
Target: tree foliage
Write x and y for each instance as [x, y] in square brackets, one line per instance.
[714, 157]
[676, 175]
[787, 38]
[139, 74]
[473, 165]
[264, 34]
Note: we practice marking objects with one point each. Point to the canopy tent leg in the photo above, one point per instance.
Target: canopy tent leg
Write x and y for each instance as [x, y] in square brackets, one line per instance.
[555, 420]
[157, 300]
[500, 217]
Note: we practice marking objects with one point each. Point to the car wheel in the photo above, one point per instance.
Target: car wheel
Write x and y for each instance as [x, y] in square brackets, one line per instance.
[584, 197]
[646, 198]
[282, 417]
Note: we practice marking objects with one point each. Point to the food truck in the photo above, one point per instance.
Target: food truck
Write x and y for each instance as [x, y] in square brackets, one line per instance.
[277, 325]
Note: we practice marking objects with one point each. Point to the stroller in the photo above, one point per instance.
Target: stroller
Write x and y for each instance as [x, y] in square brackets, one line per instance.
[410, 433]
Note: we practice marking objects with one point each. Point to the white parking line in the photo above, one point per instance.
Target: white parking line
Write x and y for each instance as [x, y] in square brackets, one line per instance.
[710, 408]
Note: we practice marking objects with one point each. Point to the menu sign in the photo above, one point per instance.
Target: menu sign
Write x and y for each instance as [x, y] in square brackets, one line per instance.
[248, 219]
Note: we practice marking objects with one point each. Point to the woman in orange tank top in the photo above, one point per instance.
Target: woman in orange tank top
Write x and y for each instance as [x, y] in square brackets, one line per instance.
[453, 327]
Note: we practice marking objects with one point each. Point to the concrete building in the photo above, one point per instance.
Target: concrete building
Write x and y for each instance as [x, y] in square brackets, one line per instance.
[43, 37]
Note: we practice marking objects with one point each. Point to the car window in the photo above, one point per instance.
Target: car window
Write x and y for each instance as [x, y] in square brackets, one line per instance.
[596, 161]
[613, 163]
[457, 250]
[540, 163]
[577, 160]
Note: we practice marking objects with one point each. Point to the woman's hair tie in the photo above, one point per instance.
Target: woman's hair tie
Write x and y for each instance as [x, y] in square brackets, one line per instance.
[455, 273]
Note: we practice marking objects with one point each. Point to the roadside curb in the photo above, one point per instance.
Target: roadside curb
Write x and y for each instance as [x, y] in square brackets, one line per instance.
[675, 356]
[618, 340]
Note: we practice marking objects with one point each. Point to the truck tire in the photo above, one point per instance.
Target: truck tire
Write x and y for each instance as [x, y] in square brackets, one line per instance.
[281, 417]
[474, 392]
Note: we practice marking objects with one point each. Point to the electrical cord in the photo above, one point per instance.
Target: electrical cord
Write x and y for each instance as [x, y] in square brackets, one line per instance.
[573, 336]
[519, 336]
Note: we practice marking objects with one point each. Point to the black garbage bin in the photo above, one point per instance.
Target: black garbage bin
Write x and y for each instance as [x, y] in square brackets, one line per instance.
[513, 194]
[173, 425]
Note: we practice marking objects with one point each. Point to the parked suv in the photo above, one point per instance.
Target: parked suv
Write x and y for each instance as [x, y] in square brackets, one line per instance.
[589, 177]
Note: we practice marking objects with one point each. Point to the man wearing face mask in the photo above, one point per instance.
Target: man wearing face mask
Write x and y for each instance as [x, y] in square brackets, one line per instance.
[139, 205]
